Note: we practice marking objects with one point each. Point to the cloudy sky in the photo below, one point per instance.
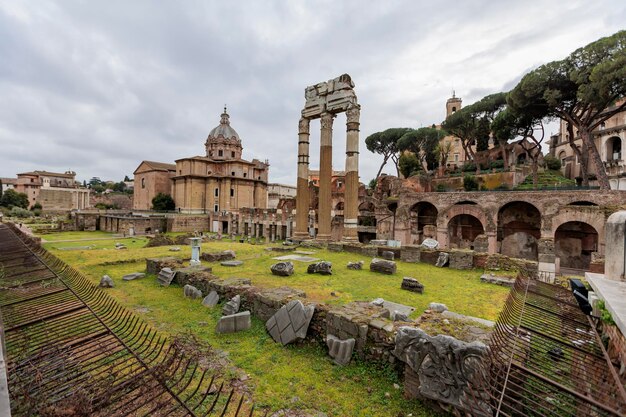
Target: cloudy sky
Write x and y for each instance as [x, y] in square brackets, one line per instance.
[98, 86]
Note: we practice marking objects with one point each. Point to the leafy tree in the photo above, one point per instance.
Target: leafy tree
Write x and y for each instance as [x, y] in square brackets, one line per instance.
[372, 184]
[119, 187]
[528, 126]
[386, 144]
[409, 164]
[470, 183]
[442, 151]
[126, 179]
[423, 142]
[12, 198]
[36, 206]
[583, 90]
[163, 202]
[471, 124]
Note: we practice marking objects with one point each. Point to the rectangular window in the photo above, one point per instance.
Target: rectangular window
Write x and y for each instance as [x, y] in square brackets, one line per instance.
[217, 192]
[232, 154]
[232, 173]
[456, 155]
[232, 192]
[220, 153]
[216, 208]
[245, 174]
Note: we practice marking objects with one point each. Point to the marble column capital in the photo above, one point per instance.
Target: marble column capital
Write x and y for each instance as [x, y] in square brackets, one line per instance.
[303, 125]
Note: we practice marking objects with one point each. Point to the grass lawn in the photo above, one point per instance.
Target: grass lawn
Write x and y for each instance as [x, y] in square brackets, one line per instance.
[292, 377]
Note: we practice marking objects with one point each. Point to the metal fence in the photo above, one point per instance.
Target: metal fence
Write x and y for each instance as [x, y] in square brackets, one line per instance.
[72, 350]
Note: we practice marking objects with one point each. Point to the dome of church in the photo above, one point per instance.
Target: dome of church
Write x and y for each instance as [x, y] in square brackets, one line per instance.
[224, 130]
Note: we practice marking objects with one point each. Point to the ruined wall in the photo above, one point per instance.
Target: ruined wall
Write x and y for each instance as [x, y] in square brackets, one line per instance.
[188, 223]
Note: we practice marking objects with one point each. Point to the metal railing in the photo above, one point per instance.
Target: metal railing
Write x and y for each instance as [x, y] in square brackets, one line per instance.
[73, 350]
[547, 359]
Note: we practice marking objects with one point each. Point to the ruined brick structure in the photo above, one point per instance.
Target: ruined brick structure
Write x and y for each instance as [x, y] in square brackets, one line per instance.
[537, 225]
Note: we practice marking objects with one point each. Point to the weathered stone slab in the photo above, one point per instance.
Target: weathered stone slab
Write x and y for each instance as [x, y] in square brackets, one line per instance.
[192, 292]
[231, 263]
[282, 269]
[232, 306]
[411, 284]
[211, 300]
[174, 249]
[398, 316]
[340, 350]
[443, 259]
[481, 244]
[322, 268]
[134, 275]
[296, 258]
[106, 282]
[335, 247]
[438, 307]
[378, 242]
[280, 249]
[388, 255]
[226, 255]
[462, 317]
[269, 301]
[446, 368]
[391, 306]
[291, 322]
[304, 252]
[462, 259]
[430, 243]
[356, 265]
[493, 279]
[166, 276]
[410, 253]
[154, 265]
[234, 323]
[383, 266]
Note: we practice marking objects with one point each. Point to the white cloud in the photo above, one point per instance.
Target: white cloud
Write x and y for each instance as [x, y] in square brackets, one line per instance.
[99, 86]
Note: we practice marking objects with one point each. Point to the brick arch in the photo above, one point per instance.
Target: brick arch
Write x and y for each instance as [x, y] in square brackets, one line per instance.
[474, 210]
[595, 220]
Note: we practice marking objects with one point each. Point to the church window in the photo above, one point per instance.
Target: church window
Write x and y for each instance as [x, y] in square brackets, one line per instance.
[232, 173]
[216, 208]
[453, 109]
[220, 153]
[232, 154]
[258, 178]
[232, 192]
[245, 174]
[143, 183]
[217, 192]
[456, 157]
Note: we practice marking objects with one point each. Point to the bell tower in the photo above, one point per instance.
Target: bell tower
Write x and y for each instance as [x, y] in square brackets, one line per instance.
[453, 105]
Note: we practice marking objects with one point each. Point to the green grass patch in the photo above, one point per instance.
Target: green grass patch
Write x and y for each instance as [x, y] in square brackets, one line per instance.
[292, 377]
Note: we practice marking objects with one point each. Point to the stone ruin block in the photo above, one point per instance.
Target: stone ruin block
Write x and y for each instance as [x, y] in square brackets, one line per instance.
[269, 301]
[481, 244]
[335, 247]
[282, 269]
[106, 282]
[388, 255]
[365, 250]
[383, 266]
[192, 292]
[133, 276]
[411, 284]
[445, 368]
[410, 253]
[198, 276]
[355, 265]
[166, 276]
[461, 259]
[398, 316]
[226, 255]
[493, 279]
[443, 259]
[340, 350]
[154, 265]
[211, 300]
[234, 323]
[322, 268]
[438, 307]
[290, 323]
[378, 242]
[232, 306]
[231, 263]
[227, 285]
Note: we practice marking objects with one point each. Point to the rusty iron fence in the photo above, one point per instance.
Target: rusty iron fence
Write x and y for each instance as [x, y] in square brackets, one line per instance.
[73, 350]
[547, 359]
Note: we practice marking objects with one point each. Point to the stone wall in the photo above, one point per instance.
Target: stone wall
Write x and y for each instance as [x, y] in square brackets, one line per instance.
[188, 223]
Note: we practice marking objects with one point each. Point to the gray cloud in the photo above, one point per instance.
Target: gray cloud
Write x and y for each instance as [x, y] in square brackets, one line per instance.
[99, 86]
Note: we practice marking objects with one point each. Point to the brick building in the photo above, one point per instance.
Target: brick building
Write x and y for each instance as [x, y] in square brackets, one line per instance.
[53, 190]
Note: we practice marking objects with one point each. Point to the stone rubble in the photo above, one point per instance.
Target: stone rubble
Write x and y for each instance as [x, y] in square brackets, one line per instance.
[282, 269]
[232, 306]
[443, 259]
[192, 292]
[211, 300]
[165, 277]
[106, 282]
[134, 275]
[383, 266]
[234, 323]
[438, 307]
[388, 255]
[355, 265]
[231, 263]
[322, 268]
[340, 350]
[411, 284]
[290, 323]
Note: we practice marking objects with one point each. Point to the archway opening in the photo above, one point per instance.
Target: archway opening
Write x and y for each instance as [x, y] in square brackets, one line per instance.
[614, 149]
[574, 242]
[462, 230]
[519, 229]
[423, 221]
[366, 222]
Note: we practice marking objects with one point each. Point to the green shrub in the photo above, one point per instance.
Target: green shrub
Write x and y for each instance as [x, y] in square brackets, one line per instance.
[20, 213]
[468, 167]
[441, 188]
[470, 183]
[552, 163]
[498, 163]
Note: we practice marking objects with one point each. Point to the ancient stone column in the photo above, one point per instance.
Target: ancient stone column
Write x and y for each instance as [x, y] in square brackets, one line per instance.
[351, 204]
[326, 172]
[302, 190]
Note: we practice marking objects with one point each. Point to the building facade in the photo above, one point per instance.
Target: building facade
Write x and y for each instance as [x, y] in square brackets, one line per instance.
[609, 139]
[219, 181]
[54, 191]
[276, 192]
